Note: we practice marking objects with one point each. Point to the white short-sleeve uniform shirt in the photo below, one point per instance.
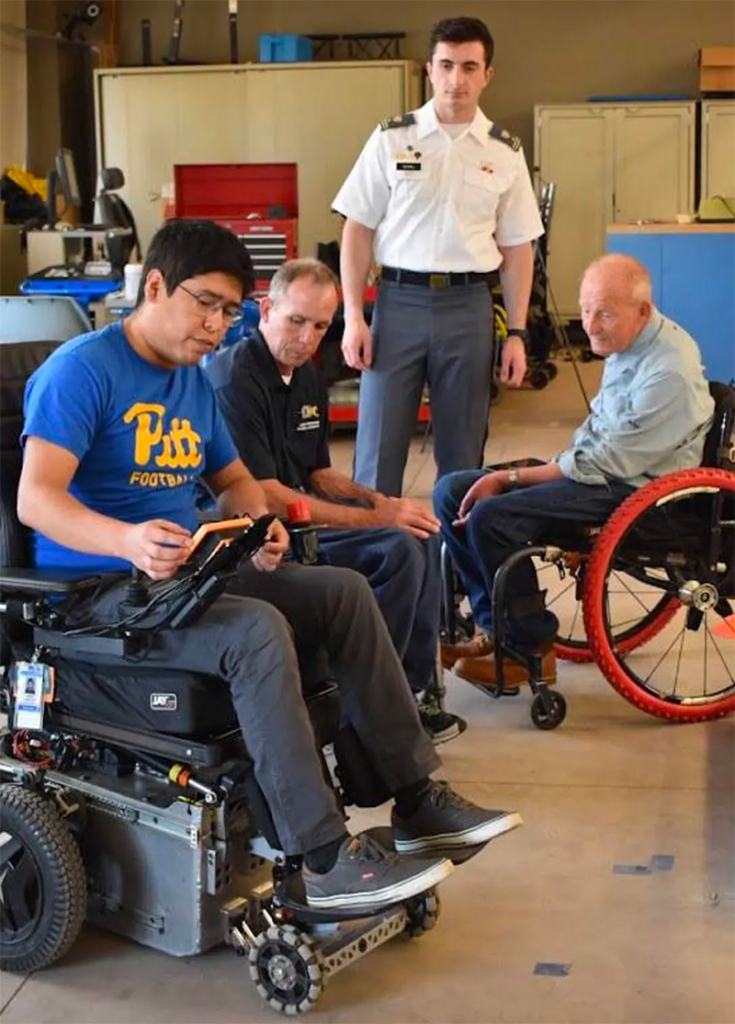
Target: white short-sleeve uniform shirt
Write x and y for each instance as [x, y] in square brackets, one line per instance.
[439, 203]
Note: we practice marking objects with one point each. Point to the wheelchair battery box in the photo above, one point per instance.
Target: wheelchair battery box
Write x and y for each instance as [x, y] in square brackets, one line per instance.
[161, 870]
[163, 700]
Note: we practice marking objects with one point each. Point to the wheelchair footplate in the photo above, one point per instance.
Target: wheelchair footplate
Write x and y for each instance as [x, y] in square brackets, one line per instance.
[293, 948]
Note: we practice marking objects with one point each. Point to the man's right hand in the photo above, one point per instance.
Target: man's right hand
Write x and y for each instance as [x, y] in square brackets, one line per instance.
[158, 547]
[357, 344]
[406, 514]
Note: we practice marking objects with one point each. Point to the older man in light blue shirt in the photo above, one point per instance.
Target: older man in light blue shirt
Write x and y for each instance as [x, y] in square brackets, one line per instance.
[650, 417]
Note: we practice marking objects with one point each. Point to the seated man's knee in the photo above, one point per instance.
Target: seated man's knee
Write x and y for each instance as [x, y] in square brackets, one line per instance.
[404, 553]
[449, 491]
[345, 584]
[259, 626]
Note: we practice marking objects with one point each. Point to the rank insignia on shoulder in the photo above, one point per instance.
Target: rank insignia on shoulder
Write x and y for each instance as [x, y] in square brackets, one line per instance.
[399, 121]
[496, 132]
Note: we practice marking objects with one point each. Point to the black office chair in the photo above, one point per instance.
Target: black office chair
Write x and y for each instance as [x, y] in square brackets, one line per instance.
[111, 209]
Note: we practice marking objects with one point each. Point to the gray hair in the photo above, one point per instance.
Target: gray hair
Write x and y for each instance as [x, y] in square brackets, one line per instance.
[631, 275]
[294, 270]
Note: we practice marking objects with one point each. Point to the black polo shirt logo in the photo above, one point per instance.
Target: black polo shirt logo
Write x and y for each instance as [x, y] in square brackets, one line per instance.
[309, 418]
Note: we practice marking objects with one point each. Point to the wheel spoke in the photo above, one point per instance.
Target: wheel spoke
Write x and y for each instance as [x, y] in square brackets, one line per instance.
[561, 593]
[678, 661]
[17, 897]
[9, 847]
[635, 595]
[706, 631]
[655, 667]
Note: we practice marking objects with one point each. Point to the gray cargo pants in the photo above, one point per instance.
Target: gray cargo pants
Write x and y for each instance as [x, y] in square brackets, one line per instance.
[249, 637]
[440, 335]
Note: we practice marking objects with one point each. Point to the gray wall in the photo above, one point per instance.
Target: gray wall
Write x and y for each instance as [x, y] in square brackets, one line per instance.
[551, 51]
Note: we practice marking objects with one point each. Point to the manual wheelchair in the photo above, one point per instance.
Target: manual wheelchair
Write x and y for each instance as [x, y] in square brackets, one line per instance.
[135, 805]
[649, 596]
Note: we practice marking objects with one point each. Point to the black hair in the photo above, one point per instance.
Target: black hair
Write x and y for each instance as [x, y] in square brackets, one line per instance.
[462, 30]
[181, 249]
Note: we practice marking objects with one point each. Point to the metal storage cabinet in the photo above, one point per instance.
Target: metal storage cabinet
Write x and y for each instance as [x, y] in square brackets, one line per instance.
[317, 115]
[610, 163]
[718, 148]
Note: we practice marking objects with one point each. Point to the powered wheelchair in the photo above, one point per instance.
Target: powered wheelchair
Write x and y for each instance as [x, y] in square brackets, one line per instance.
[134, 804]
[649, 596]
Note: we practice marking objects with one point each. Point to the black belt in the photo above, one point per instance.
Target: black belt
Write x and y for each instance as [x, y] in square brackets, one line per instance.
[427, 280]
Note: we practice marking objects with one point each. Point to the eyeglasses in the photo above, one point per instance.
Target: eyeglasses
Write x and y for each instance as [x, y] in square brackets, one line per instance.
[208, 306]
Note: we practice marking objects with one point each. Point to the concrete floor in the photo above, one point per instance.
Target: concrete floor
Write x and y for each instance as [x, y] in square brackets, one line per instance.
[608, 791]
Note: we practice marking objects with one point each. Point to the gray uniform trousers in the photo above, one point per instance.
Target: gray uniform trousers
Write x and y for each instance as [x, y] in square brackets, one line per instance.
[249, 637]
[440, 335]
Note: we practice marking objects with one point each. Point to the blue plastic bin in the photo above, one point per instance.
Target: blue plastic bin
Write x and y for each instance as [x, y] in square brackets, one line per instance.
[279, 48]
[83, 290]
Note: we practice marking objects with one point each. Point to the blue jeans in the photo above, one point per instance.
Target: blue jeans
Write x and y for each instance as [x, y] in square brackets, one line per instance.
[499, 526]
[405, 577]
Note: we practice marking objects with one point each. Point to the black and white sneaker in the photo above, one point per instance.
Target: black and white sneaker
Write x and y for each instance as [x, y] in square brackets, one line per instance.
[438, 723]
[367, 875]
[445, 820]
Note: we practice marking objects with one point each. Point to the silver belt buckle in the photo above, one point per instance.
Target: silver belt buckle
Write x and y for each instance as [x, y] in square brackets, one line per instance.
[439, 280]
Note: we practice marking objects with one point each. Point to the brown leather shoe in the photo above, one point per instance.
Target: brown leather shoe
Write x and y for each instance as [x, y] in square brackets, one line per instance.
[477, 647]
[483, 671]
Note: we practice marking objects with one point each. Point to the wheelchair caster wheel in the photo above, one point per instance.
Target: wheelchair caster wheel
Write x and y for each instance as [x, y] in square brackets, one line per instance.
[538, 378]
[285, 968]
[43, 888]
[544, 719]
[423, 912]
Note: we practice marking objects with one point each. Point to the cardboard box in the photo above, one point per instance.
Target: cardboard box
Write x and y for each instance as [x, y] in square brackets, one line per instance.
[717, 69]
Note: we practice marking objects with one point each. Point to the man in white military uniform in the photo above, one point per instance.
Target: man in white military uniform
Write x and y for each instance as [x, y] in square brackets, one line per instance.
[440, 198]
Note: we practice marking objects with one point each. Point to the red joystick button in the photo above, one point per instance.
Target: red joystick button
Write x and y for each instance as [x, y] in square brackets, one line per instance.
[299, 511]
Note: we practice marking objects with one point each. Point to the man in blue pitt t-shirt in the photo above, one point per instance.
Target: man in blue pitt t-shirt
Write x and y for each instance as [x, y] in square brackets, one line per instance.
[120, 425]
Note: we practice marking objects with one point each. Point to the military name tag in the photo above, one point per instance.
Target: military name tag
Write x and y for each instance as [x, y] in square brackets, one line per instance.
[405, 165]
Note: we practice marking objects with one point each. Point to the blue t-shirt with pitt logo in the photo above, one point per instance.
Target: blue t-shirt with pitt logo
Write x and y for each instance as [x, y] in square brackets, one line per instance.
[143, 435]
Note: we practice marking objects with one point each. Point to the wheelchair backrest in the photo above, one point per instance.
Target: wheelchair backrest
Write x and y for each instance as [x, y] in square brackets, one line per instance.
[718, 445]
[18, 360]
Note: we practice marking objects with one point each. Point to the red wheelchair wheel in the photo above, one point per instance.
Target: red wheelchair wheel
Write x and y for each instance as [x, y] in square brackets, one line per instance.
[675, 535]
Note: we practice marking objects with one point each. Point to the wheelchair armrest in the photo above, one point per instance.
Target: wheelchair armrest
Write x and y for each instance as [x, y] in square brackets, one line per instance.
[51, 581]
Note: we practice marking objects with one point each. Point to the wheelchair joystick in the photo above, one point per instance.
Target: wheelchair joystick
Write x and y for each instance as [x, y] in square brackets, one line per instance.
[137, 592]
[303, 532]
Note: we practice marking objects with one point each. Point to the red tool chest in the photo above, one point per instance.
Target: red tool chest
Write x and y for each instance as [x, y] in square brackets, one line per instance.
[258, 202]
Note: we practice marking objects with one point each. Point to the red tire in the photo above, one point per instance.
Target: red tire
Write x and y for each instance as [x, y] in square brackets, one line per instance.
[608, 654]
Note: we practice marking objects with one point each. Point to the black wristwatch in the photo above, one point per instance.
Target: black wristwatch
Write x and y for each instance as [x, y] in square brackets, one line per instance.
[517, 332]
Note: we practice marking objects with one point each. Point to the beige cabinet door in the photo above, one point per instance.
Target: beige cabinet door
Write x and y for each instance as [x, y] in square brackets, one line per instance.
[653, 175]
[150, 122]
[718, 149]
[573, 150]
[315, 115]
[318, 118]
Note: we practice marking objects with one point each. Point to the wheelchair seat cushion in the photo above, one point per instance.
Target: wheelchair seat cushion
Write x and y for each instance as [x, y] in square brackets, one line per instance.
[162, 700]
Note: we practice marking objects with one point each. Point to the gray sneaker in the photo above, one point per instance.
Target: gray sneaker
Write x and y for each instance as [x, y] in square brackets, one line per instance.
[445, 820]
[367, 875]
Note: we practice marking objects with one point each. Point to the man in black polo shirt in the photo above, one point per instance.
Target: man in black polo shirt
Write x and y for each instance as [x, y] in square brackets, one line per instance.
[274, 400]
